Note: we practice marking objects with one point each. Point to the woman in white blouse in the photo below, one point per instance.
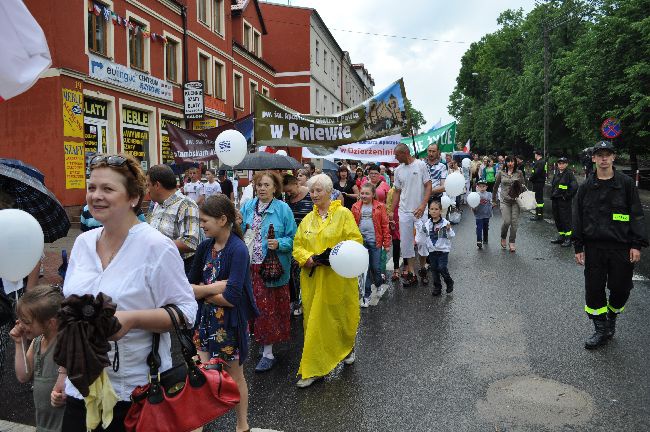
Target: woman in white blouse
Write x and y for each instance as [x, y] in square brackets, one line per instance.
[138, 267]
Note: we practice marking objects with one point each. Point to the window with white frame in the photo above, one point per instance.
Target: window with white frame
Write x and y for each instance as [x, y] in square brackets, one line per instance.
[219, 79]
[137, 49]
[202, 11]
[265, 91]
[338, 75]
[238, 90]
[218, 23]
[324, 104]
[317, 51]
[253, 89]
[325, 61]
[247, 36]
[172, 60]
[332, 68]
[317, 99]
[257, 43]
[98, 32]
[205, 72]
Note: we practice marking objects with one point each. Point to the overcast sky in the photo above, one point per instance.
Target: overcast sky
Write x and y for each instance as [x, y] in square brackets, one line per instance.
[429, 68]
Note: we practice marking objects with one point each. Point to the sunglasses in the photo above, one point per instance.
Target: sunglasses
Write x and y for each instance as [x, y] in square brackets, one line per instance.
[112, 160]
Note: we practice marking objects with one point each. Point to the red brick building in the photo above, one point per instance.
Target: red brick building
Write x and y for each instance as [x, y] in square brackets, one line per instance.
[116, 76]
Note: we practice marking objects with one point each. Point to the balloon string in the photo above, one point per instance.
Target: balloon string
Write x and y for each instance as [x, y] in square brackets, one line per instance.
[22, 342]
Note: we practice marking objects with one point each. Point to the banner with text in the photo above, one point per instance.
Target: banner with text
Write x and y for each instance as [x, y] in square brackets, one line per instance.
[382, 115]
[444, 136]
[198, 146]
[376, 150]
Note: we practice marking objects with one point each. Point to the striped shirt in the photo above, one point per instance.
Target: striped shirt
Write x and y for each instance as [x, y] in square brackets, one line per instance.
[437, 172]
[177, 218]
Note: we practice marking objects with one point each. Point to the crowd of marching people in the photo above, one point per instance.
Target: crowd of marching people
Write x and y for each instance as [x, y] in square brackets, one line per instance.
[235, 271]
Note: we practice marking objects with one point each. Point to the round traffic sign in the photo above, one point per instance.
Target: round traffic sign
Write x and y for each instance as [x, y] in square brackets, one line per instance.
[611, 128]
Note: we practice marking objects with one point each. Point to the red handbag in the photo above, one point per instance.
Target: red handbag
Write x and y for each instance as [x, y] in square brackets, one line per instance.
[185, 397]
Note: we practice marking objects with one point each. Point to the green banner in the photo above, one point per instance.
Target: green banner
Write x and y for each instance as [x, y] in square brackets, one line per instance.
[382, 115]
[444, 136]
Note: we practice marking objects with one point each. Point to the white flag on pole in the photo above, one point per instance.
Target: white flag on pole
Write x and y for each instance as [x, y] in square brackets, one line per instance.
[23, 49]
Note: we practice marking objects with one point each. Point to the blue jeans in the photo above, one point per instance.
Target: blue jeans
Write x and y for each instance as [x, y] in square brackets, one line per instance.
[374, 267]
[438, 265]
[482, 228]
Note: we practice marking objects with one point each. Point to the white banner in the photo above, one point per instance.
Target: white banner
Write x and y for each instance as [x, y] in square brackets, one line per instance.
[375, 150]
[122, 76]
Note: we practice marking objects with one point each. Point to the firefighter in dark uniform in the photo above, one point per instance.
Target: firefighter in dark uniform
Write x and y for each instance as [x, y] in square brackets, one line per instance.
[608, 234]
[563, 187]
[538, 178]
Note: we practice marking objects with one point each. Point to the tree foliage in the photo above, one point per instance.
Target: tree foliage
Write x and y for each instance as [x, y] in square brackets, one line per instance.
[416, 118]
[599, 66]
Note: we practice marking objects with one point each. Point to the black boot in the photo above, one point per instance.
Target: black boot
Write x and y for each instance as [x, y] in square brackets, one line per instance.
[558, 240]
[599, 337]
[566, 242]
[611, 325]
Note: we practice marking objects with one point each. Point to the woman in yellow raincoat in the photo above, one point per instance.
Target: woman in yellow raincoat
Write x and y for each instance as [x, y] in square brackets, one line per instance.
[330, 302]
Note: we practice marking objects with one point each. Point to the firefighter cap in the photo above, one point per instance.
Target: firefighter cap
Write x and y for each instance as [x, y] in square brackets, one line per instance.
[604, 145]
[563, 160]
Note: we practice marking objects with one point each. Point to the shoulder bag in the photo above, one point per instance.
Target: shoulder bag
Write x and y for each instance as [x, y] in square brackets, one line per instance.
[186, 396]
[271, 268]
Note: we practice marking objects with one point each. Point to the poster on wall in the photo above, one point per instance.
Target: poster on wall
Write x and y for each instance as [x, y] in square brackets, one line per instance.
[73, 115]
[167, 152]
[75, 167]
[135, 135]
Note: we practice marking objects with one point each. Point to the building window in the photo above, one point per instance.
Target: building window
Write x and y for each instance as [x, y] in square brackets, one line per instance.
[324, 104]
[247, 36]
[338, 74]
[136, 46]
[325, 61]
[202, 10]
[317, 52]
[333, 108]
[332, 68]
[203, 71]
[97, 34]
[219, 80]
[317, 99]
[253, 89]
[238, 83]
[171, 60]
[217, 16]
[265, 91]
[257, 44]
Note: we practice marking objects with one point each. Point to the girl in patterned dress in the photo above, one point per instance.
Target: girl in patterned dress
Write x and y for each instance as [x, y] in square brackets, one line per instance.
[220, 277]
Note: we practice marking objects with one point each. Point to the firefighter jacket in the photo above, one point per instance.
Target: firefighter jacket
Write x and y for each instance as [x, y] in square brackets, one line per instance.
[539, 172]
[608, 214]
[564, 185]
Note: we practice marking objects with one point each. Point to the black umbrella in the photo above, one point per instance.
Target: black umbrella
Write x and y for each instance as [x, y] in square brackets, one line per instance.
[33, 197]
[263, 161]
[26, 168]
[328, 165]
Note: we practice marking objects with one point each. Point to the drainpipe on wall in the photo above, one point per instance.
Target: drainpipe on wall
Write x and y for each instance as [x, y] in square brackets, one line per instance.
[185, 66]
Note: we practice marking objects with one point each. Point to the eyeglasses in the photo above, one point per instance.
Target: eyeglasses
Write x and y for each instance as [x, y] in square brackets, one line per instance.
[112, 160]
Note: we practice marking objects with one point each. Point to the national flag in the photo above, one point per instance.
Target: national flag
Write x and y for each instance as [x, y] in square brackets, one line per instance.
[23, 49]
[466, 149]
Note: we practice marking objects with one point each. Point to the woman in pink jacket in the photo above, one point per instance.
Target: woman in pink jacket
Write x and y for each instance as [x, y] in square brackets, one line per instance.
[372, 219]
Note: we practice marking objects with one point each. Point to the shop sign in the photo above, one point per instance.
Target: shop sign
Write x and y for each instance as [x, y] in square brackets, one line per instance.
[75, 168]
[193, 100]
[122, 76]
[73, 115]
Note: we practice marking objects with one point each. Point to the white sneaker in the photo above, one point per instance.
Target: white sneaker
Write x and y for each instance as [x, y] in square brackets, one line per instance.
[302, 383]
[364, 302]
[350, 359]
[382, 289]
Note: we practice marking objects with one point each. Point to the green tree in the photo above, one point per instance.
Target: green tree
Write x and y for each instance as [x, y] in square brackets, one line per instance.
[416, 119]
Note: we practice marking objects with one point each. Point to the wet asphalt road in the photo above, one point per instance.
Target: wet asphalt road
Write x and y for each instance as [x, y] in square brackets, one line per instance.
[504, 352]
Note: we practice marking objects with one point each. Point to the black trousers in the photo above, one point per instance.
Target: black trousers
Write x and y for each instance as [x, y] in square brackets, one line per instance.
[74, 417]
[538, 188]
[607, 269]
[396, 253]
[562, 216]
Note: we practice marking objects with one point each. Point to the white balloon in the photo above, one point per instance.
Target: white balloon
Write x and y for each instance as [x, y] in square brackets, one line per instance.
[281, 152]
[454, 184]
[230, 146]
[349, 259]
[21, 244]
[466, 163]
[473, 199]
[445, 202]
